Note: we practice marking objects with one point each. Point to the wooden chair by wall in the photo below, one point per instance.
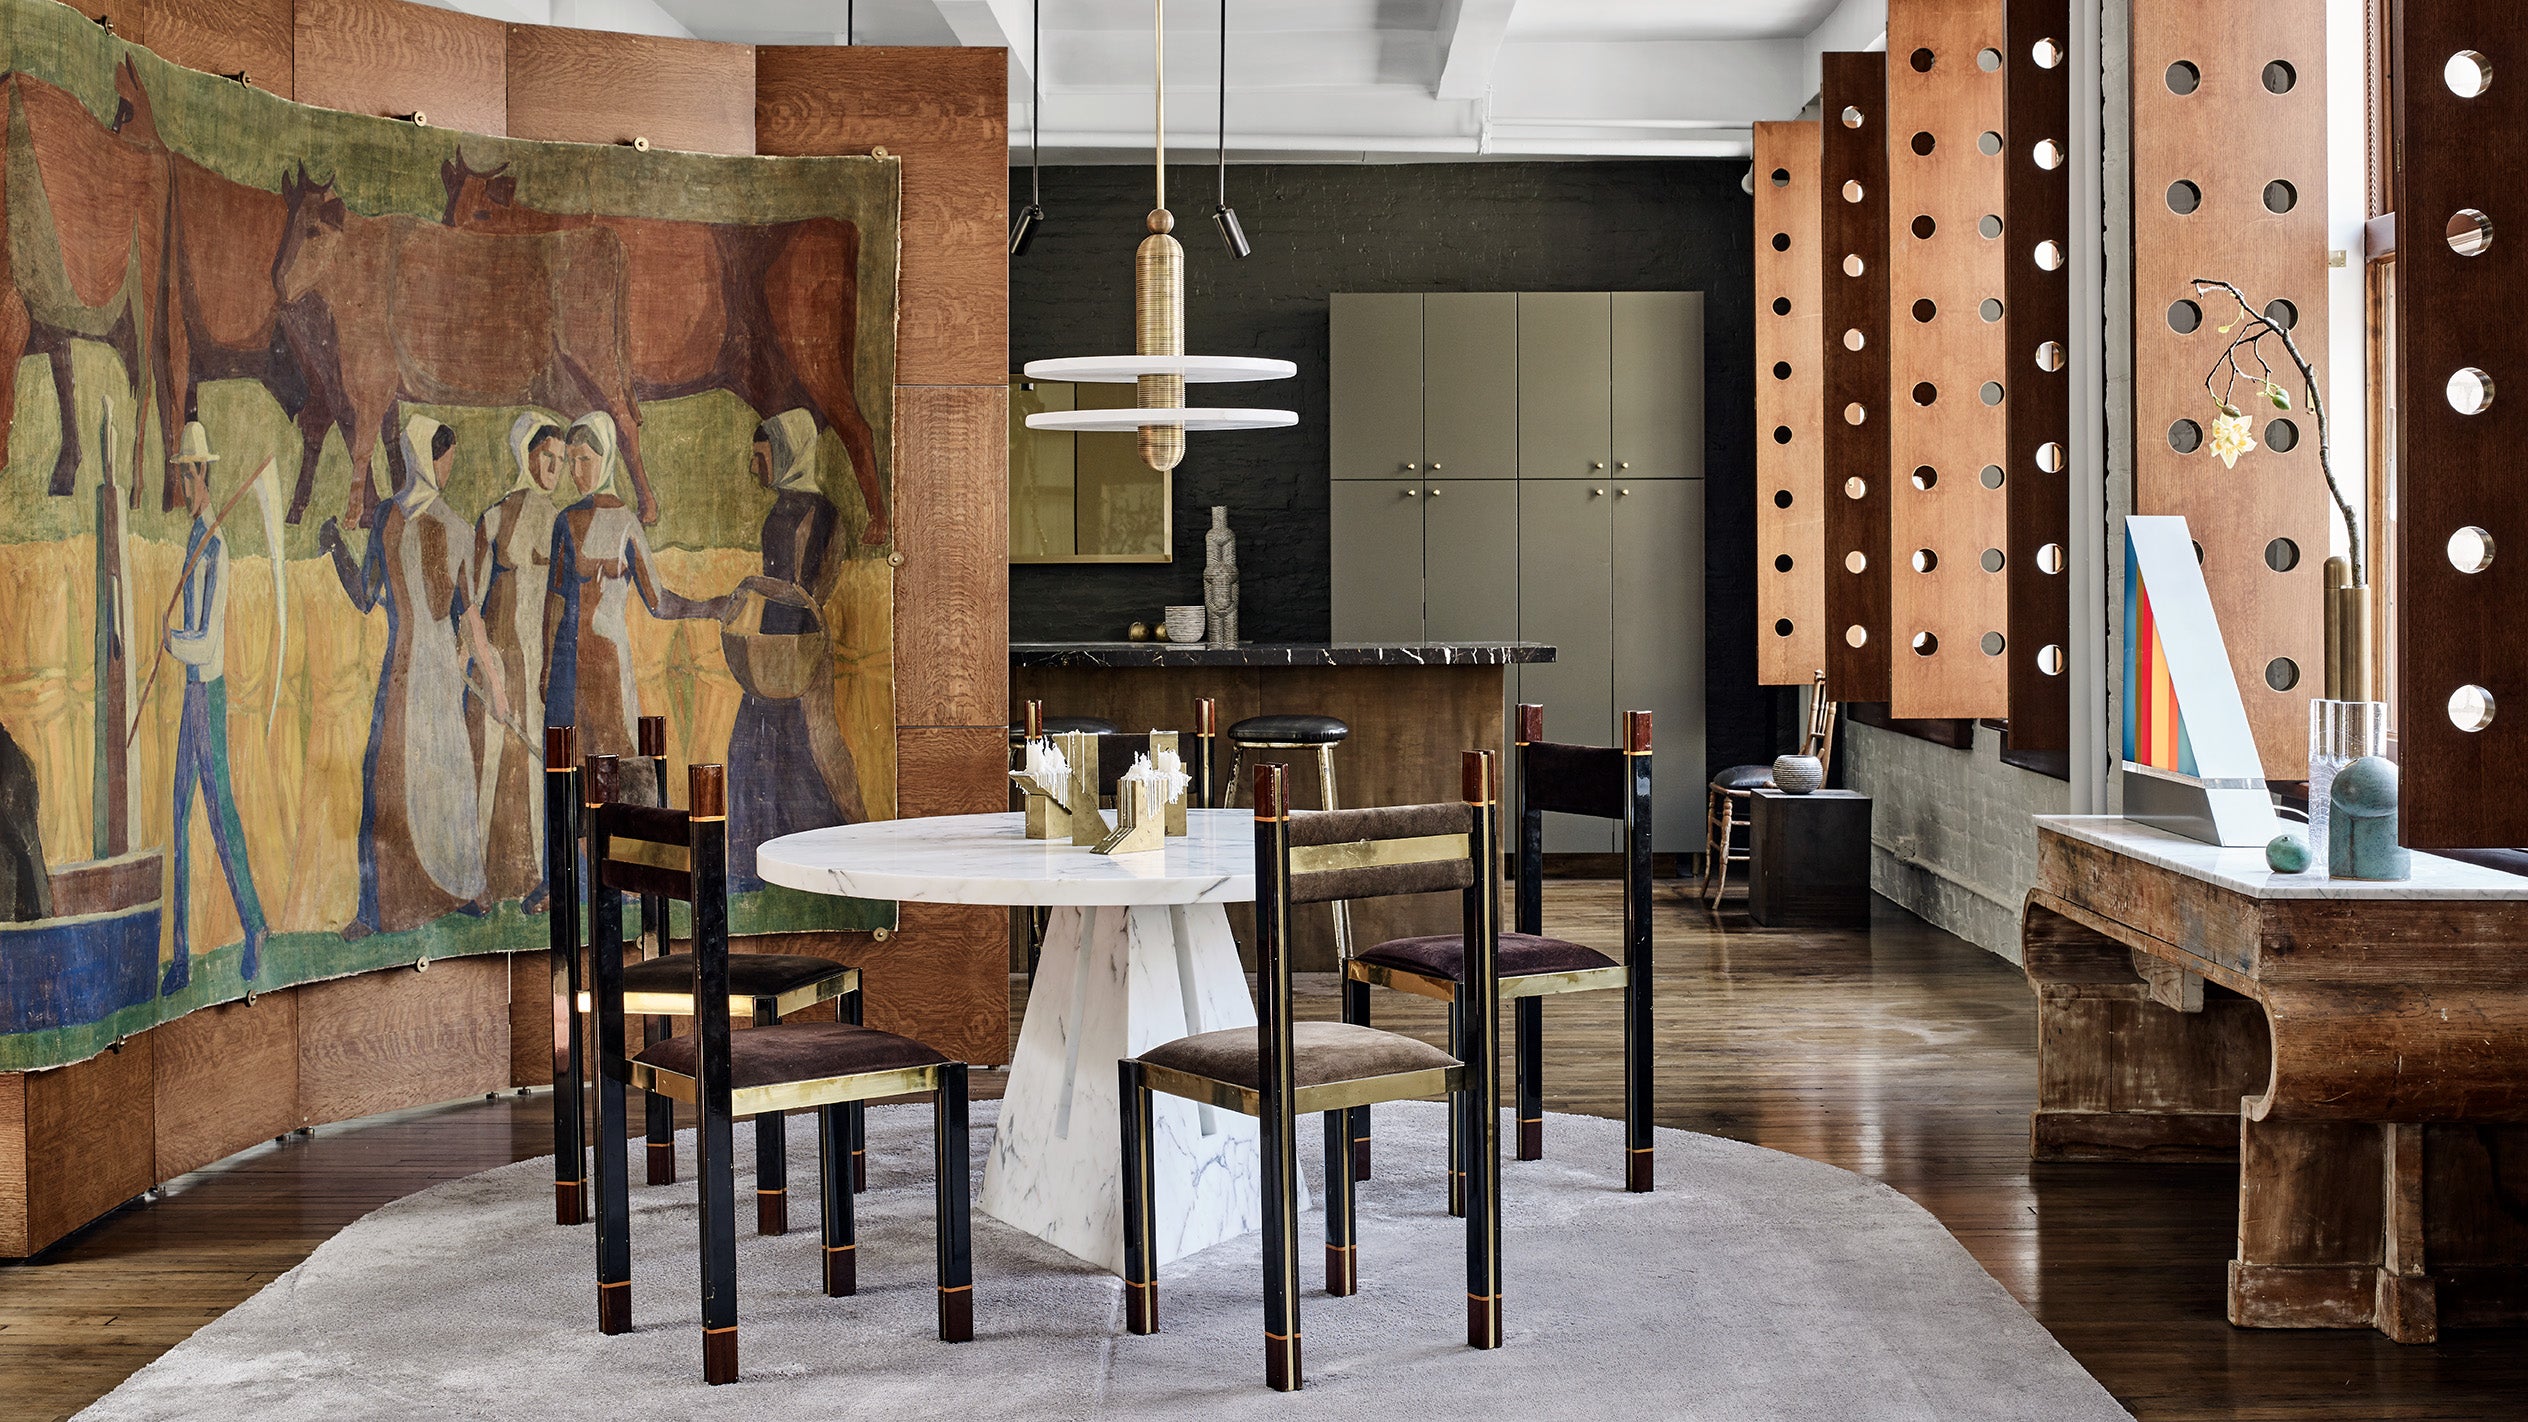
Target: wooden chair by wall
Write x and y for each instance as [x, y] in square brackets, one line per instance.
[1733, 793]
[1604, 782]
[773, 1067]
[1280, 1067]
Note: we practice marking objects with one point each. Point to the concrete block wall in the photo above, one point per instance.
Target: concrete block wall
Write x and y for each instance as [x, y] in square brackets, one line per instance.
[1952, 837]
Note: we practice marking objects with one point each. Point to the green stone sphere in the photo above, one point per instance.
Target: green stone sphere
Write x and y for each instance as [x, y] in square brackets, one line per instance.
[2287, 853]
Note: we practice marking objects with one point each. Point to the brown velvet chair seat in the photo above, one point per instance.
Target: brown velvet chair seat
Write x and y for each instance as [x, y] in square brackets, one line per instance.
[798, 1051]
[1443, 955]
[750, 974]
[1322, 1053]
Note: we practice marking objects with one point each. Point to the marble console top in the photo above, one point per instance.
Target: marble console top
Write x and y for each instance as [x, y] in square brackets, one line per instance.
[2243, 871]
[987, 859]
[1276, 654]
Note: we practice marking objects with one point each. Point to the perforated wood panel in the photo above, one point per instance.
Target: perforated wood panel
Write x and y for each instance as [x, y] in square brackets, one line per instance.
[2229, 122]
[1947, 426]
[1853, 252]
[1790, 409]
[2036, 209]
[2462, 308]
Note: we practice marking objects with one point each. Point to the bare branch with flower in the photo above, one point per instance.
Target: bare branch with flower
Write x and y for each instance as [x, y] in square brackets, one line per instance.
[2247, 332]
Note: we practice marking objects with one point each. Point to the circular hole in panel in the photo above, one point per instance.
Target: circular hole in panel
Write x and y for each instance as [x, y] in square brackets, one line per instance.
[2184, 78]
[2184, 197]
[2185, 436]
[2049, 660]
[2049, 457]
[1853, 266]
[2184, 317]
[2049, 255]
[1926, 393]
[2282, 436]
[1855, 413]
[1923, 60]
[2198, 552]
[1924, 560]
[1781, 241]
[1925, 644]
[2470, 550]
[2049, 558]
[1992, 393]
[2280, 76]
[1782, 627]
[2282, 313]
[1926, 477]
[2047, 53]
[1992, 560]
[1782, 563]
[1991, 310]
[2049, 155]
[1991, 476]
[1781, 177]
[1781, 498]
[1856, 487]
[2470, 232]
[2468, 74]
[1781, 370]
[2282, 555]
[1781, 434]
[1853, 191]
[2049, 356]
[1781, 306]
[1852, 117]
[1923, 143]
[1989, 225]
[2470, 708]
[2470, 391]
[1989, 145]
[1855, 635]
[1853, 339]
[2282, 673]
[1988, 60]
[1856, 562]
[1924, 227]
[1993, 644]
[1926, 309]
[2280, 197]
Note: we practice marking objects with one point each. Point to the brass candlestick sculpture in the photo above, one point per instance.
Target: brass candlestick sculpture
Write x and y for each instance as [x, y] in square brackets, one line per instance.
[1170, 768]
[1046, 782]
[1140, 812]
[1088, 824]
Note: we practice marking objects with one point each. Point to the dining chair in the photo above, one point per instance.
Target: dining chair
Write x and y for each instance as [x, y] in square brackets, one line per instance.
[1731, 804]
[1280, 1067]
[1602, 782]
[658, 985]
[682, 855]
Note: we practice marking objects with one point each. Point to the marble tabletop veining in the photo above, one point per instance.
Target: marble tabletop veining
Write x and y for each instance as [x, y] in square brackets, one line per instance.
[1276, 654]
[2244, 870]
[987, 859]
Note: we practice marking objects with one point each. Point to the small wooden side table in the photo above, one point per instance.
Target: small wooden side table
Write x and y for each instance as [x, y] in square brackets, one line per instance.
[1811, 859]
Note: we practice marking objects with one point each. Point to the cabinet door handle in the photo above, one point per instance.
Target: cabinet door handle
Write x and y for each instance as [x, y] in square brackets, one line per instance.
[1435, 493]
[1435, 466]
[1624, 464]
[1597, 464]
[1409, 493]
[1597, 493]
[1622, 492]
[1410, 466]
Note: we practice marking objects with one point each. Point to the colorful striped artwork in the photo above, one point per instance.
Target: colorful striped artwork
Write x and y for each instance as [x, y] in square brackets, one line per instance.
[2154, 722]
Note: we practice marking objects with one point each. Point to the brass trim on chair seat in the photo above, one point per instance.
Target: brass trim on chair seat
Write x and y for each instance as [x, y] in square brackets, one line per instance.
[791, 1095]
[1440, 989]
[1377, 853]
[842, 983]
[1328, 1096]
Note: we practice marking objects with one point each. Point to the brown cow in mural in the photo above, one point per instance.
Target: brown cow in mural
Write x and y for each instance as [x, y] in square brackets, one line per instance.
[382, 309]
[770, 313]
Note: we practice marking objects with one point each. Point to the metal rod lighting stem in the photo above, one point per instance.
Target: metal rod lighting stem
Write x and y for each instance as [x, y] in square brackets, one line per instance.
[1036, 105]
[1158, 92]
[1224, 103]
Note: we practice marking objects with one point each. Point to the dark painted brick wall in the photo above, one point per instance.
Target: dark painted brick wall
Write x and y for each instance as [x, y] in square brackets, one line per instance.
[1647, 226]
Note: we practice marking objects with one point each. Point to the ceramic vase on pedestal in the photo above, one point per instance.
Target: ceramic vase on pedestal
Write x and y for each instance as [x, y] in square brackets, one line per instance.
[1220, 579]
[2340, 732]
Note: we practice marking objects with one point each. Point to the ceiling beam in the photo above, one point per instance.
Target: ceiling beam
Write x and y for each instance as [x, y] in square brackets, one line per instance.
[1470, 34]
[985, 23]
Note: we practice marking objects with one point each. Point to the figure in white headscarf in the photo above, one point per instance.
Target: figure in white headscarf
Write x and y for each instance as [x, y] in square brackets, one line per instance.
[599, 559]
[790, 768]
[513, 542]
[421, 851]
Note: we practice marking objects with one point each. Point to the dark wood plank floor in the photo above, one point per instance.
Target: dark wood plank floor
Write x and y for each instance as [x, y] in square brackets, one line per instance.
[1901, 1053]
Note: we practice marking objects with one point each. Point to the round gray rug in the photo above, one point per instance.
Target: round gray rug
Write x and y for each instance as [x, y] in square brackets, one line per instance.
[1752, 1285]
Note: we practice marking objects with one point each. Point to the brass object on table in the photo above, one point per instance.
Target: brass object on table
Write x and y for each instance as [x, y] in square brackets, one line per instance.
[1175, 808]
[1088, 825]
[1140, 818]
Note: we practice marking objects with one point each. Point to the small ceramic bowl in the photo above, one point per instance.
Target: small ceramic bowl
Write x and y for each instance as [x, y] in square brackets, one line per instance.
[1185, 623]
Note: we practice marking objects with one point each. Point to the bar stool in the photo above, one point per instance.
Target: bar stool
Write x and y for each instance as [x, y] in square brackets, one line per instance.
[1299, 733]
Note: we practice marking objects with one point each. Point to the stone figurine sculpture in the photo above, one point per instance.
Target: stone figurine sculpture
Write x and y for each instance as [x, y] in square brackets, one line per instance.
[2361, 826]
[1220, 579]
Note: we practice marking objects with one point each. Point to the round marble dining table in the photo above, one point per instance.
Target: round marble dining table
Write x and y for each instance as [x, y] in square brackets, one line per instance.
[1137, 952]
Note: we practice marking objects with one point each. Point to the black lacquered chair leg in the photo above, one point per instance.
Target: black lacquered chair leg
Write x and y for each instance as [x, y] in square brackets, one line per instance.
[1531, 1077]
[660, 1114]
[1457, 1106]
[842, 1242]
[1342, 1227]
[956, 1209]
[772, 1153]
[1356, 1012]
[1141, 1274]
[715, 1183]
[1638, 1177]
[856, 1115]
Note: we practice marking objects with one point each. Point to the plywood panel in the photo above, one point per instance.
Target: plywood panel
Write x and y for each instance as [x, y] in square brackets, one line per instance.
[530, 1019]
[221, 37]
[2036, 208]
[952, 770]
[590, 86]
[88, 1142]
[1948, 433]
[224, 1078]
[2459, 310]
[13, 1238]
[943, 978]
[945, 112]
[1853, 254]
[2230, 141]
[387, 1040]
[395, 57]
[952, 530]
[1790, 408]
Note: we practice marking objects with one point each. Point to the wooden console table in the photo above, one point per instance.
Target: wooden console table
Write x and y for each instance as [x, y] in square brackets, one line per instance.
[2360, 1049]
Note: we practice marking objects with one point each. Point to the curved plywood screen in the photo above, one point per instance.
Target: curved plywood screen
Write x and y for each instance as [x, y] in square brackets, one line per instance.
[351, 454]
[1853, 254]
[1790, 409]
[1948, 436]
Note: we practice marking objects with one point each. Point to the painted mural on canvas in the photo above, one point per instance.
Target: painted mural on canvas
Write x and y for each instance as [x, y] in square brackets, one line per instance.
[340, 458]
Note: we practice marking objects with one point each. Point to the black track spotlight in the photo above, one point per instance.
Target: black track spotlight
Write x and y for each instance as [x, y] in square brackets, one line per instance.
[1230, 232]
[1022, 232]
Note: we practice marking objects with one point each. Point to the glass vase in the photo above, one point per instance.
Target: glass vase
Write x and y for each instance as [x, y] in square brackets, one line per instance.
[2340, 732]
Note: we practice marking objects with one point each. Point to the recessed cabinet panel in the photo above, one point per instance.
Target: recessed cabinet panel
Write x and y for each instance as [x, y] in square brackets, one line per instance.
[1375, 345]
[1658, 558]
[1658, 384]
[1470, 384]
[1377, 594]
[1470, 560]
[1565, 354]
[1566, 598]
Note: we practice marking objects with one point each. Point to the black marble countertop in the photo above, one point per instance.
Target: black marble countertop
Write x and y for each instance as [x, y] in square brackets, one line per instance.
[1276, 654]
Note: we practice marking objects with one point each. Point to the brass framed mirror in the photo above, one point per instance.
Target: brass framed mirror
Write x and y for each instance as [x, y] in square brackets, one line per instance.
[1082, 498]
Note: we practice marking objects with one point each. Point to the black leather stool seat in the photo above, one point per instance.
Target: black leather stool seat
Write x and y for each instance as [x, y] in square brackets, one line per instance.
[1289, 731]
[750, 974]
[1444, 956]
[1056, 725]
[1743, 777]
[798, 1051]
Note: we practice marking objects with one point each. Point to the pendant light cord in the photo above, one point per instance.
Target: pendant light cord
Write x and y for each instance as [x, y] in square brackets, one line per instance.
[1158, 123]
[1224, 103]
[1036, 104]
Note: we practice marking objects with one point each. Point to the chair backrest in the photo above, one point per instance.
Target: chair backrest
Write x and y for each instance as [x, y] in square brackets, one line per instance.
[1603, 782]
[1820, 740]
[1199, 750]
[661, 854]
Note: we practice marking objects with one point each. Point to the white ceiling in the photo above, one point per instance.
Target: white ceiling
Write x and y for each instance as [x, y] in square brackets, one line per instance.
[1336, 80]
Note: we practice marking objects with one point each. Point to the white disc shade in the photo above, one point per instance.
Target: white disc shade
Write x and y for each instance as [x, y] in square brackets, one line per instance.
[1111, 421]
[1197, 370]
